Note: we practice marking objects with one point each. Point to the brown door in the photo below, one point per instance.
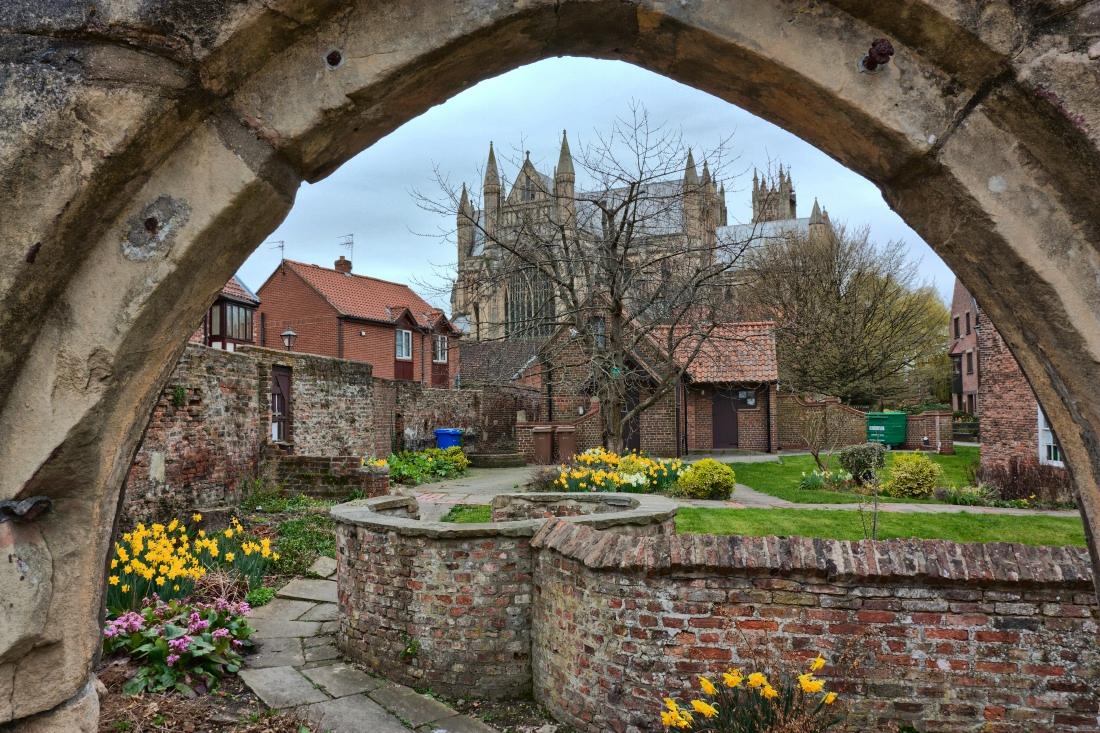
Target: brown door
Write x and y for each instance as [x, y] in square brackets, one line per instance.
[281, 424]
[725, 420]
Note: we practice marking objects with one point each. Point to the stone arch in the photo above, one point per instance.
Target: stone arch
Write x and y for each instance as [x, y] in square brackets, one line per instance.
[148, 149]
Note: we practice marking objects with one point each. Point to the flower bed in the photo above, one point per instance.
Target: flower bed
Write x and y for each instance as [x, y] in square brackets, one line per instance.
[419, 467]
[600, 470]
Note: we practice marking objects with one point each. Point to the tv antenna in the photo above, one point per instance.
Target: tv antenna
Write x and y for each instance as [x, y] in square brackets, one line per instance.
[348, 241]
[281, 246]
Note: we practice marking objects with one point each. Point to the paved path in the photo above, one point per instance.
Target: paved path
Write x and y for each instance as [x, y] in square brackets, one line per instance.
[297, 666]
[480, 485]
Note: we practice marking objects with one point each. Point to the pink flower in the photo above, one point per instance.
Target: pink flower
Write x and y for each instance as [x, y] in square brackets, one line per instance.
[221, 633]
[180, 645]
[172, 659]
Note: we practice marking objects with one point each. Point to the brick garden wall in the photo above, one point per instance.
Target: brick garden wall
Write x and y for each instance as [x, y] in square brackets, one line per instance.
[936, 426]
[949, 637]
[848, 424]
[203, 440]
[325, 476]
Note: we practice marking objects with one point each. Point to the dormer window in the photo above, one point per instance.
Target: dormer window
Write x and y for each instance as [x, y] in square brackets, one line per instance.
[439, 349]
[404, 345]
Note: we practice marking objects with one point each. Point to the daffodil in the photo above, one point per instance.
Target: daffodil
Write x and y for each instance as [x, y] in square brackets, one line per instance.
[732, 678]
[829, 699]
[769, 692]
[817, 664]
[707, 686]
[756, 680]
[705, 709]
[809, 684]
[196, 517]
[113, 580]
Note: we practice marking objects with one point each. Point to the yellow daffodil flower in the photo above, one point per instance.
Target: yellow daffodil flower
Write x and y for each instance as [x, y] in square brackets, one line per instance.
[705, 709]
[707, 686]
[829, 699]
[817, 664]
[196, 517]
[732, 678]
[756, 680]
[809, 684]
[769, 692]
[113, 580]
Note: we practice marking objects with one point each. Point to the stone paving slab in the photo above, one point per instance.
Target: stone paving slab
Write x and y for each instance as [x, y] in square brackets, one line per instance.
[321, 640]
[281, 687]
[322, 653]
[306, 589]
[341, 680]
[413, 708]
[353, 714]
[275, 628]
[282, 608]
[457, 724]
[284, 652]
[321, 612]
[323, 566]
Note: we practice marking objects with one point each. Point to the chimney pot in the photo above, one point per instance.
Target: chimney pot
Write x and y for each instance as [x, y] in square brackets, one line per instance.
[343, 265]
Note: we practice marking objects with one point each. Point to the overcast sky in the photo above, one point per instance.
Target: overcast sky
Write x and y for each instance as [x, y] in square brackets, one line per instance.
[371, 196]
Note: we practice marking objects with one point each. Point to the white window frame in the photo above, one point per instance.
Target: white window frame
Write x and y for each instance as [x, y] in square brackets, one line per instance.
[1048, 444]
[403, 337]
[436, 341]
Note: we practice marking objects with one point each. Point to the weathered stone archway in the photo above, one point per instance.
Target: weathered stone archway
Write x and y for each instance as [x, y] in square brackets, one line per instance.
[148, 147]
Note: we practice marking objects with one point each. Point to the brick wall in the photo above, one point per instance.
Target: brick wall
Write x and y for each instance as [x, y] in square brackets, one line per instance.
[203, 440]
[949, 637]
[335, 477]
[1010, 412]
[930, 424]
[287, 301]
[331, 401]
[848, 425]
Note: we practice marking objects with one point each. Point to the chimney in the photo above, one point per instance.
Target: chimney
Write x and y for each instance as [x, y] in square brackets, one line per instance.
[343, 265]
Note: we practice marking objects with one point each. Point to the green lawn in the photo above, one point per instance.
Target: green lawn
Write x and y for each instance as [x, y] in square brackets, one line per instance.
[780, 478]
[843, 524]
[469, 514]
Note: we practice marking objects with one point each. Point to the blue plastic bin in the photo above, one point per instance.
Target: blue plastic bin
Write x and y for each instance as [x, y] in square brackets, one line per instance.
[448, 437]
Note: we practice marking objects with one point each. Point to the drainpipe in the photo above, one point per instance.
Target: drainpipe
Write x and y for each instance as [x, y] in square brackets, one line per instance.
[768, 413]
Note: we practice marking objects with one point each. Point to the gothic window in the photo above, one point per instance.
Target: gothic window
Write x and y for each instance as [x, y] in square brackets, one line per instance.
[528, 304]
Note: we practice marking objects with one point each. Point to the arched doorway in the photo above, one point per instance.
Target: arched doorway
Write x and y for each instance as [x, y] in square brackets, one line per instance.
[150, 152]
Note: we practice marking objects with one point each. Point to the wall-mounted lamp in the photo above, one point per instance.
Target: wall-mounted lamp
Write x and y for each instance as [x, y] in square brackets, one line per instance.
[288, 338]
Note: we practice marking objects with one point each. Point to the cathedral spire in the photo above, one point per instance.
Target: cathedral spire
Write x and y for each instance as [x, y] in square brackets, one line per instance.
[492, 177]
[691, 176]
[565, 158]
[464, 202]
[706, 172]
[815, 215]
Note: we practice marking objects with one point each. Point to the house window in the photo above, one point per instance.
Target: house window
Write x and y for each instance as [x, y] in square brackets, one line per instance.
[238, 322]
[599, 331]
[970, 362]
[958, 333]
[404, 344]
[971, 404]
[1050, 452]
[968, 323]
[439, 350]
[746, 398]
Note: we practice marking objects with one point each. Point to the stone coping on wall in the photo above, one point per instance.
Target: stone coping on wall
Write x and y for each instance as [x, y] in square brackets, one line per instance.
[931, 561]
[380, 513]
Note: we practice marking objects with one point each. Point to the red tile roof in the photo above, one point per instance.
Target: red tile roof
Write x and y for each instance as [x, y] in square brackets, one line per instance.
[237, 290]
[732, 352]
[359, 296]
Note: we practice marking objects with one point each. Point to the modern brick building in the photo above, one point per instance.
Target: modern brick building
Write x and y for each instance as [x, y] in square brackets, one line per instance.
[334, 312]
[726, 399]
[988, 382]
[964, 353]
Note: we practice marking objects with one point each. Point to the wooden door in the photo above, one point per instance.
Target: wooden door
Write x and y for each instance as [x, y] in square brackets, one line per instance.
[281, 415]
[725, 420]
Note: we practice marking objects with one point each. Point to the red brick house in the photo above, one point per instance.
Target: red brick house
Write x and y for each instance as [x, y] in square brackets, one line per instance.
[727, 399]
[230, 321]
[964, 352]
[334, 312]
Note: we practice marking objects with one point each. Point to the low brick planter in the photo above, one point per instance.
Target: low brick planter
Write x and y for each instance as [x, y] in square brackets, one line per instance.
[334, 477]
[496, 460]
[448, 606]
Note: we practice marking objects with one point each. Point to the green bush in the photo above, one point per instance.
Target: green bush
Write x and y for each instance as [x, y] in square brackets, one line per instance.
[707, 479]
[913, 475]
[863, 461]
[433, 464]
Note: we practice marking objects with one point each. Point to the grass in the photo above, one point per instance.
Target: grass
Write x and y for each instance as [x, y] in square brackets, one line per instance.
[845, 525]
[780, 478]
[302, 540]
[469, 514]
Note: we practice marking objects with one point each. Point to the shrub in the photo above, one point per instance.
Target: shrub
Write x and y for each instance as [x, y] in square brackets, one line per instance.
[601, 470]
[433, 464]
[707, 479]
[913, 475]
[1027, 479]
[260, 596]
[180, 646]
[980, 495]
[752, 704]
[863, 461]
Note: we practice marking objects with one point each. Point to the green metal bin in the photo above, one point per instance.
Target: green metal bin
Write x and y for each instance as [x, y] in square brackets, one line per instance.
[887, 428]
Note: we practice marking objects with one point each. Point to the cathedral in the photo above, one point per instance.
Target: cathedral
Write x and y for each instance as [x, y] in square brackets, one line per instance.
[492, 298]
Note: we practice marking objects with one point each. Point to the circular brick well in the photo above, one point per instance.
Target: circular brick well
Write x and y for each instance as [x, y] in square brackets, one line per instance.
[448, 606]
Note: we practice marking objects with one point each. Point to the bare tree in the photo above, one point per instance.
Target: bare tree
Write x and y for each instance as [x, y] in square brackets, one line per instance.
[853, 320]
[616, 291]
[823, 433]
